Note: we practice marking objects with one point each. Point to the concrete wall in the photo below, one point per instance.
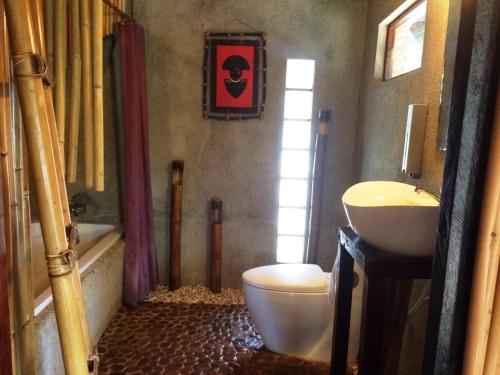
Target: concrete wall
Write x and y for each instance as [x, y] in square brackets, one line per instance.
[384, 104]
[381, 128]
[239, 161]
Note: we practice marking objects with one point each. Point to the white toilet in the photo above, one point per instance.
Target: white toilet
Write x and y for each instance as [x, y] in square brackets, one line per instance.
[289, 305]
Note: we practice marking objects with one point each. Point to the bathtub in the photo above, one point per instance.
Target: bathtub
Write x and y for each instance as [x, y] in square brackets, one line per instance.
[100, 259]
[95, 239]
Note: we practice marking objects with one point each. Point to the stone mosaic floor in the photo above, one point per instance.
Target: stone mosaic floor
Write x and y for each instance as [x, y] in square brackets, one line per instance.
[167, 338]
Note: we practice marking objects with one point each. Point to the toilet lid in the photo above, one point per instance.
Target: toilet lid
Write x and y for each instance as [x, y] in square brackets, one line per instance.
[299, 278]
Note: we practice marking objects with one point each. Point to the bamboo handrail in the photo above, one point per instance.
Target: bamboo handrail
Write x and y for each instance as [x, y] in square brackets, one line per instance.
[216, 245]
[37, 12]
[60, 50]
[317, 186]
[76, 80]
[486, 269]
[175, 224]
[87, 97]
[97, 58]
[42, 162]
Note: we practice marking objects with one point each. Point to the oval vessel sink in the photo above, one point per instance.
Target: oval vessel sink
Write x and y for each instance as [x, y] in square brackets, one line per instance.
[396, 218]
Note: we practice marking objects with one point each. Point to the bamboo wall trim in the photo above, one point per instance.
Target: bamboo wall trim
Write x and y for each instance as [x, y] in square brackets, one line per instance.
[76, 80]
[49, 31]
[60, 50]
[97, 51]
[7, 178]
[87, 97]
[46, 187]
[486, 270]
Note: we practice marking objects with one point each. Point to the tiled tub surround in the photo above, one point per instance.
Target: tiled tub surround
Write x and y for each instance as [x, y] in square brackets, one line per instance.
[166, 338]
[101, 268]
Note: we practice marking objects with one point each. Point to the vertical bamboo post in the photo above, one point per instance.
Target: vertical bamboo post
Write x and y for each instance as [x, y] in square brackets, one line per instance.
[30, 88]
[22, 269]
[60, 51]
[76, 80]
[97, 57]
[175, 224]
[317, 185]
[7, 173]
[487, 262]
[216, 245]
[87, 97]
[49, 31]
[37, 13]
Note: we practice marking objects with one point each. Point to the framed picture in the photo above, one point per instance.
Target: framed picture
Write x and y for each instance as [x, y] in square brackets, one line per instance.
[234, 72]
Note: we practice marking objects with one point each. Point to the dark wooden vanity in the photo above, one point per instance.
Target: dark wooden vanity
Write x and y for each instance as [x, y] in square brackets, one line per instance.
[377, 332]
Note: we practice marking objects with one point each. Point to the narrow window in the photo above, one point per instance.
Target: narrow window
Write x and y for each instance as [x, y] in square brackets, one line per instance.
[405, 41]
[295, 160]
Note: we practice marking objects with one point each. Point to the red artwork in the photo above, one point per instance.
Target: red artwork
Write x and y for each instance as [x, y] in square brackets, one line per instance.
[234, 76]
[234, 86]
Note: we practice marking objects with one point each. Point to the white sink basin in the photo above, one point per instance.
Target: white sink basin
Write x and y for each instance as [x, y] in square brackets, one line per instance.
[394, 217]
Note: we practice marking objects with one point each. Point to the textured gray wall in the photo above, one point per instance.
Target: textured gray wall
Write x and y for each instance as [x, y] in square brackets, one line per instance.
[239, 161]
[381, 129]
[384, 104]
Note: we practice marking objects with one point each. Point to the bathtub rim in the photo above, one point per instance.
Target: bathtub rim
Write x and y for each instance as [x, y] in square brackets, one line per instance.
[43, 300]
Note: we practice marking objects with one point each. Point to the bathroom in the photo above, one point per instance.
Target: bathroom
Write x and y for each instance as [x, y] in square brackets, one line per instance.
[339, 47]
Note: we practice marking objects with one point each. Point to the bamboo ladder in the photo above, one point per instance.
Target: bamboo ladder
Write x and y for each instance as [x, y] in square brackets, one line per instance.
[30, 70]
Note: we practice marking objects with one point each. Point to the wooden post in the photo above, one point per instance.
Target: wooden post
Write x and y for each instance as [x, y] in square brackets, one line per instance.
[87, 97]
[317, 185]
[97, 57]
[216, 245]
[486, 265]
[29, 70]
[175, 224]
[60, 50]
[76, 83]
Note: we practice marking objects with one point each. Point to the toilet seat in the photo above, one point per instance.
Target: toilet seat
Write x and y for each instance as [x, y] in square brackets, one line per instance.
[293, 278]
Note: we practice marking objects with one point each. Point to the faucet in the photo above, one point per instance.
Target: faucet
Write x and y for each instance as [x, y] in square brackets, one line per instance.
[77, 209]
[419, 190]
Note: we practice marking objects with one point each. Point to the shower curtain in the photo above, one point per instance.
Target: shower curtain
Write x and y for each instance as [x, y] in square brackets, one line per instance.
[140, 263]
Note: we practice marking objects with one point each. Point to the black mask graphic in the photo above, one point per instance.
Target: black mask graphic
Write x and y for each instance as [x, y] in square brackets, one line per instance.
[235, 85]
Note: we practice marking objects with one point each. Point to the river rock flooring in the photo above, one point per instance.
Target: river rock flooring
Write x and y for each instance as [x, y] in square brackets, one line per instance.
[168, 338]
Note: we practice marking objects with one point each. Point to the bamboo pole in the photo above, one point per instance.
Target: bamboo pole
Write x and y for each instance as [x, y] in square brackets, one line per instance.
[486, 267]
[23, 278]
[46, 185]
[37, 12]
[317, 186]
[87, 98]
[5, 337]
[60, 51]
[76, 80]
[97, 57]
[49, 31]
[216, 246]
[175, 224]
[7, 176]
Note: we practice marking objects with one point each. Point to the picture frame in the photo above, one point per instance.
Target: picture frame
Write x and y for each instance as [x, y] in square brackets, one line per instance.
[234, 76]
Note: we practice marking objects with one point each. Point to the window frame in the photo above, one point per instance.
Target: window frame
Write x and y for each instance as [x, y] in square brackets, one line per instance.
[389, 42]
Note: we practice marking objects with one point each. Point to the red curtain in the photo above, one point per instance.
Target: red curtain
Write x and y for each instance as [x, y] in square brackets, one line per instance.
[141, 268]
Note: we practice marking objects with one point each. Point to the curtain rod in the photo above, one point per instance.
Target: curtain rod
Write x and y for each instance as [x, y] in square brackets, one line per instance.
[119, 11]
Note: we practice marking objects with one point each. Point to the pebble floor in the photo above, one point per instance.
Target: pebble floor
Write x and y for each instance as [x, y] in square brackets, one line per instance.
[168, 338]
